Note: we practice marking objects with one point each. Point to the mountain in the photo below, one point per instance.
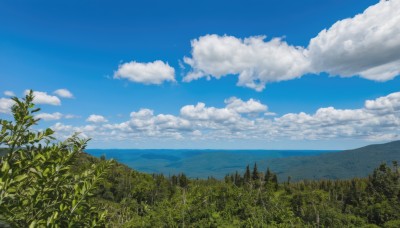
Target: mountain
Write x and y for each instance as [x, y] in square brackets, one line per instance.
[333, 165]
[340, 165]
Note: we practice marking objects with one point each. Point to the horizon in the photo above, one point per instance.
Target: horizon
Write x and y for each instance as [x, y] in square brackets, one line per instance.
[226, 75]
[227, 149]
[207, 149]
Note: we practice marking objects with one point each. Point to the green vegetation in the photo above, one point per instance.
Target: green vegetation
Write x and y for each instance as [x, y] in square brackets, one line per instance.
[37, 186]
[135, 199]
[48, 183]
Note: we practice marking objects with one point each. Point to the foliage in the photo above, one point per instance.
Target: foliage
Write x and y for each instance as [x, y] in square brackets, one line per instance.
[37, 185]
[43, 183]
[141, 200]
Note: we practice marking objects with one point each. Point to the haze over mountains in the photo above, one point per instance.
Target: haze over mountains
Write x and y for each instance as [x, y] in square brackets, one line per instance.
[296, 164]
[340, 165]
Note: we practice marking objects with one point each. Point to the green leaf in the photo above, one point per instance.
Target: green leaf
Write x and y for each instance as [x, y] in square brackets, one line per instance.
[20, 177]
[5, 167]
[49, 131]
[33, 224]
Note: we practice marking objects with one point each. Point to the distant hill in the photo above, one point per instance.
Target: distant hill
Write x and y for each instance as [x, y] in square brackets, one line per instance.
[340, 165]
[329, 165]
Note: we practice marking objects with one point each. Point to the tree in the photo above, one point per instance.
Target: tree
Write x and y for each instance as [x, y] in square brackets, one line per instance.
[247, 176]
[255, 175]
[37, 185]
[268, 176]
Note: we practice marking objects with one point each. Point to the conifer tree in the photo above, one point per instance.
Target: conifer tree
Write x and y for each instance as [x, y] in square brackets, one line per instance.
[255, 175]
[247, 175]
[268, 176]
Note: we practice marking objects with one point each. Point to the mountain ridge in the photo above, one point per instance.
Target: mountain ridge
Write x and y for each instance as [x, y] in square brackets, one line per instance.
[339, 165]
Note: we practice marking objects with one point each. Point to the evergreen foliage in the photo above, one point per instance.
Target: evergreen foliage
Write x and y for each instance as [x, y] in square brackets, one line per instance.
[237, 201]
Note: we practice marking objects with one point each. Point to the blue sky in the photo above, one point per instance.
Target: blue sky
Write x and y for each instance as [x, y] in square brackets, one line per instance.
[262, 69]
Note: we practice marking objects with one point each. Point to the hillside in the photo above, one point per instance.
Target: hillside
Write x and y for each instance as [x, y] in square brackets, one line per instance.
[340, 165]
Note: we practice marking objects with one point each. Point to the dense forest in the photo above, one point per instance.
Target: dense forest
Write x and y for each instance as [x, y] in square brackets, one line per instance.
[47, 183]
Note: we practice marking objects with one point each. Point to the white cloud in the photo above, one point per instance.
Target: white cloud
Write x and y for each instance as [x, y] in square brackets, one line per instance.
[145, 120]
[70, 116]
[250, 106]
[377, 120]
[201, 112]
[44, 98]
[147, 73]
[367, 45]
[387, 104]
[54, 116]
[144, 124]
[254, 60]
[64, 131]
[63, 93]
[9, 93]
[49, 116]
[96, 119]
[5, 105]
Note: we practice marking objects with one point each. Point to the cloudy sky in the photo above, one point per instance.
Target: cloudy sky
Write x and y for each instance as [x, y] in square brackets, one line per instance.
[232, 74]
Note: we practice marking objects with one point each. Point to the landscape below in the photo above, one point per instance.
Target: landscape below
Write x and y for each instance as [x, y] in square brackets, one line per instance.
[46, 184]
[298, 164]
[195, 163]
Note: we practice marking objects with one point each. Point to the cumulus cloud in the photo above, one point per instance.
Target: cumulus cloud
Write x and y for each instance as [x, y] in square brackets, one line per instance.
[367, 45]
[96, 119]
[147, 73]
[49, 116]
[54, 116]
[377, 119]
[63, 93]
[201, 112]
[63, 131]
[250, 106]
[144, 124]
[387, 104]
[9, 93]
[71, 116]
[254, 60]
[5, 105]
[44, 98]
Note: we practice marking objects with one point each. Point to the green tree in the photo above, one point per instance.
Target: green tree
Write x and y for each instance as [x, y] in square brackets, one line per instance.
[268, 176]
[247, 175]
[255, 175]
[37, 185]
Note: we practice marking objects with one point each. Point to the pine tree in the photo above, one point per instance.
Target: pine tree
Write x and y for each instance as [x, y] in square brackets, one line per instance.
[183, 180]
[238, 179]
[255, 175]
[268, 176]
[247, 175]
[275, 181]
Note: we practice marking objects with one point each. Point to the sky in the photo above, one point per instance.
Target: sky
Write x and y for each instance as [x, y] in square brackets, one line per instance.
[207, 74]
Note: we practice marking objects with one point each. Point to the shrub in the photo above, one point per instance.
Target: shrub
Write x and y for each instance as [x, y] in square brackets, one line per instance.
[37, 186]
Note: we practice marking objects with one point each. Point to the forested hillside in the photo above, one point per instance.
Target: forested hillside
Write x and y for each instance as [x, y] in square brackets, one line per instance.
[46, 183]
[254, 198]
[339, 165]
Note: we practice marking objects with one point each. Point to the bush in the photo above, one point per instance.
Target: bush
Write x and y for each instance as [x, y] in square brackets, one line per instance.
[37, 186]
